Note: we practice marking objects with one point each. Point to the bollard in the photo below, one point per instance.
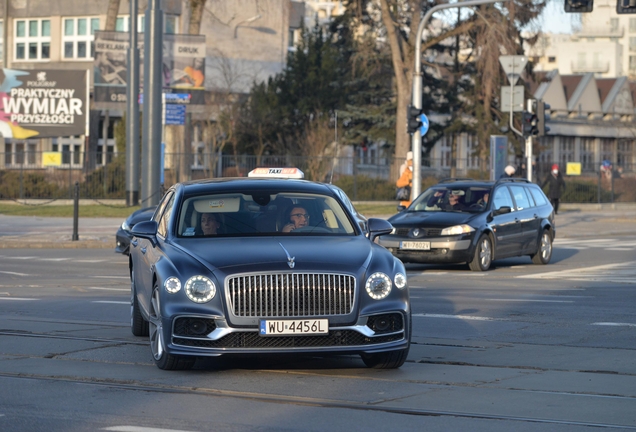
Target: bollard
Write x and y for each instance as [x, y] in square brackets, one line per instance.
[75, 211]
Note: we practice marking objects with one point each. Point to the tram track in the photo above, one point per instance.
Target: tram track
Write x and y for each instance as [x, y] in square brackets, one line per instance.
[305, 401]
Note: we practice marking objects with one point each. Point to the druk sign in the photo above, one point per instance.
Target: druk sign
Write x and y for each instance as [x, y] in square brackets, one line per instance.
[43, 103]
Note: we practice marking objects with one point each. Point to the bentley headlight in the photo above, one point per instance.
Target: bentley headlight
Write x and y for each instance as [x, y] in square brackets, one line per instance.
[125, 226]
[458, 229]
[399, 280]
[200, 289]
[378, 286]
[172, 284]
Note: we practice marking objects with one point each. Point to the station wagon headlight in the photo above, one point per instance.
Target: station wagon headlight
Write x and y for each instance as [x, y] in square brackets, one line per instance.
[200, 289]
[378, 286]
[172, 285]
[399, 280]
[458, 229]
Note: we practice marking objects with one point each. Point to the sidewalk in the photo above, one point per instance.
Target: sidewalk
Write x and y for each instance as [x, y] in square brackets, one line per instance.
[573, 220]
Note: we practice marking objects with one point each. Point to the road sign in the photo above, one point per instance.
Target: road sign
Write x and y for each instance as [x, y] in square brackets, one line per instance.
[517, 99]
[177, 98]
[513, 66]
[174, 114]
[424, 127]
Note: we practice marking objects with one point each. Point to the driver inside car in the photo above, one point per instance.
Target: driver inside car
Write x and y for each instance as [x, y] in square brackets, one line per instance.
[298, 217]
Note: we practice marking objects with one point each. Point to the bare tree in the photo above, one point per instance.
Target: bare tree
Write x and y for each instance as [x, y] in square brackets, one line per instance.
[111, 15]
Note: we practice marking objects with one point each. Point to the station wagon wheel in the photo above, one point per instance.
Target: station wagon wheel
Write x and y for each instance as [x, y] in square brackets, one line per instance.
[482, 258]
[138, 325]
[162, 359]
[544, 251]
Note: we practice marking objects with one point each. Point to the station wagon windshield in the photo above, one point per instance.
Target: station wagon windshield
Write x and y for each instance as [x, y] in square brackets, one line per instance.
[452, 198]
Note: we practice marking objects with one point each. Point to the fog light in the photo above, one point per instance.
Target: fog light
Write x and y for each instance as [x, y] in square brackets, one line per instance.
[197, 327]
[381, 324]
[444, 251]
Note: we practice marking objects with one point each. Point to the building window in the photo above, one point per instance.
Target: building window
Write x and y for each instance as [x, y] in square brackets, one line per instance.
[614, 24]
[78, 36]
[580, 60]
[566, 150]
[551, 59]
[632, 63]
[32, 39]
[625, 154]
[587, 154]
[607, 149]
[170, 24]
[632, 43]
[632, 25]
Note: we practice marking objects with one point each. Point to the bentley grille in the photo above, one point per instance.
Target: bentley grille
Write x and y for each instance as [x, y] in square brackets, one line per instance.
[291, 295]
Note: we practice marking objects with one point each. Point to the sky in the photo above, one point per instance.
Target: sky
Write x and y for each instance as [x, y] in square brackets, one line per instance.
[556, 20]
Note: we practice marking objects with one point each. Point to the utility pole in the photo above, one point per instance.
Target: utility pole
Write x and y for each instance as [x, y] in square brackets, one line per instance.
[153, 55]
[132, 119]
[416, 93]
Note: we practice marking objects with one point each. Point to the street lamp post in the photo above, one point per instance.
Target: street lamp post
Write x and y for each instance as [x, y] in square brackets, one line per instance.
[416, 96]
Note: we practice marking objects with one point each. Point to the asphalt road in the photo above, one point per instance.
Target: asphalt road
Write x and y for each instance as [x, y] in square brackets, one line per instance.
[520, 347]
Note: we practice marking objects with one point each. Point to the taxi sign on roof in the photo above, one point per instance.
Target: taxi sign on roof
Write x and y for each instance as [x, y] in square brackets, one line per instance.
[277, 173]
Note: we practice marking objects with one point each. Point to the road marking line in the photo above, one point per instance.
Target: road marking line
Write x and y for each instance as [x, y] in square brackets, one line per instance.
[578, 272]
[619, 249]
[111, 277]
[14, 273]
[111, 302]
[18, 298]
[21, 258]
[108, 289]
[613, 324]
[461, 317]
[90, 261]
[531, 301]
[55, 259]
[140, 429]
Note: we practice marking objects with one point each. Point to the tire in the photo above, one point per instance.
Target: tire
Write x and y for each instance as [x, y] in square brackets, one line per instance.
[385, 360]
[482, 257]
[138, 325]
[163, 359]
[544, 252]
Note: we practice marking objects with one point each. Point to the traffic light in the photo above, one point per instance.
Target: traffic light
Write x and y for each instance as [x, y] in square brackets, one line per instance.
[626, 6]
[529, 126]
[579, 6]
[413, 122]
[542, 118]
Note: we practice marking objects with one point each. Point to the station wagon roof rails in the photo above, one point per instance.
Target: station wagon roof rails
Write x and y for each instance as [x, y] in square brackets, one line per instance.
[455, 179]
[513, 180]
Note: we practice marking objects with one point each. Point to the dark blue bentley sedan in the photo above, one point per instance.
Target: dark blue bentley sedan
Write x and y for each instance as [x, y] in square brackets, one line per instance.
[265, 265]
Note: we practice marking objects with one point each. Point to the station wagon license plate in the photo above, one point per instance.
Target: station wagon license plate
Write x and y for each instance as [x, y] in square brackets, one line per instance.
[294, 327]
[415, 245]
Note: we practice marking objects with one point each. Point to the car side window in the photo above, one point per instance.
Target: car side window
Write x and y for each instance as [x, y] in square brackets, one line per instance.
[502, 198]
[162, 206]
[162, 229]
[538, 195]
[520, 197]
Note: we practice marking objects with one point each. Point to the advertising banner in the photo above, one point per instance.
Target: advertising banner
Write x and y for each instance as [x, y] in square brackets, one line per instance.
[42, 103]
[183, 65]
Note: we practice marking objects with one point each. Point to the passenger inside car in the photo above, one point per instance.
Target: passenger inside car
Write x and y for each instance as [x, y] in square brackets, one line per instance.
[210, 224]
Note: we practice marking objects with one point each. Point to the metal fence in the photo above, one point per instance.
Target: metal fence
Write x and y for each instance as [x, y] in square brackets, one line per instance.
[361, 178]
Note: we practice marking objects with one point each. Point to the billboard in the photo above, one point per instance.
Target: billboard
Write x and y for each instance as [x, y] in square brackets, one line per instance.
[183, 65]
[43, 103]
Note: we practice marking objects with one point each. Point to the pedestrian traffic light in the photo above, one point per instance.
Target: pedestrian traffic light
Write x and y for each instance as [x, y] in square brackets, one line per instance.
[529, 123]
[626, 6]
[413, 122]
[542, 118]
[579, 6]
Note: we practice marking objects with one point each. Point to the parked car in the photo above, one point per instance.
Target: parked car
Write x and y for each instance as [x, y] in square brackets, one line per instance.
[123, 235]
[249, 287]
[474, 222]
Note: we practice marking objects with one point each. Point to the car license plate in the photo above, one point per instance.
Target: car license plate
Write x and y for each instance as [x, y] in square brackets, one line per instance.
[416, 245]
[294, 327]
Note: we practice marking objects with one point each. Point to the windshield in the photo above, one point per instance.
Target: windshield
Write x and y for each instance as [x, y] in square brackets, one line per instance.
[445, 198]
[242, 214]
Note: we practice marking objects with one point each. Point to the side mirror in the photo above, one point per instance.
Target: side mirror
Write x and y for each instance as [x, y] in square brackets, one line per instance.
[378, 227]
[502, 210]
[147, 230]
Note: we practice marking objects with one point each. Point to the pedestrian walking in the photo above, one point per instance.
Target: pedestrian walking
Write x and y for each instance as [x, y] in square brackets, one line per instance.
[556, 186]
[404, 185]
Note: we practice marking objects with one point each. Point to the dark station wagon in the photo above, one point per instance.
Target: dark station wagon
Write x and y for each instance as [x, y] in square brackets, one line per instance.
[474, 222]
